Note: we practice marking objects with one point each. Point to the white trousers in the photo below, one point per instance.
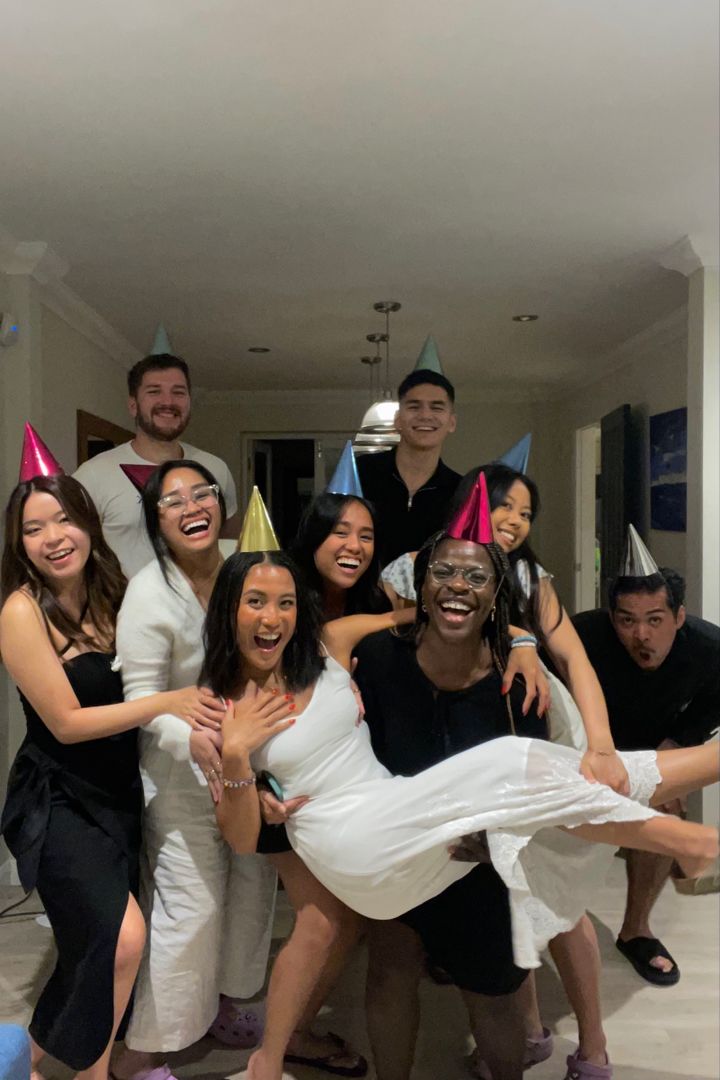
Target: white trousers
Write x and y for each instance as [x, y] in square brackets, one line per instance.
[209, 912]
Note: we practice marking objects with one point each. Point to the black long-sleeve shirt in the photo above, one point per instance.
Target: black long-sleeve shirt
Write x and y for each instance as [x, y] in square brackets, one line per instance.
[404, 521]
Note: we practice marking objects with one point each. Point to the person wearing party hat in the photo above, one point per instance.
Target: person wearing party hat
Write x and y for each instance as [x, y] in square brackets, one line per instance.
[659, 669]
[72, 813]
[378, 842]
[209, 914]
[335, 546]
[159, 404]
[410, 486]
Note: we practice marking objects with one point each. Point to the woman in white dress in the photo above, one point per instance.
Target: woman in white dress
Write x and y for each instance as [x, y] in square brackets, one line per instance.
[209, 912]
[380, 842]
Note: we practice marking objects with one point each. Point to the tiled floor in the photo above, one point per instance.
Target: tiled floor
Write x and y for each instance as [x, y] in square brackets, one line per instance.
[653, 1033]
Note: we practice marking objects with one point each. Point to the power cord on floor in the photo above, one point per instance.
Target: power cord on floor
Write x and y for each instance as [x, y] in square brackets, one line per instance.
[6, 911]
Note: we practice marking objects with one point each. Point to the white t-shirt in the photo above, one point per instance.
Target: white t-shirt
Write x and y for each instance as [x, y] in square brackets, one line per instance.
[118, 500]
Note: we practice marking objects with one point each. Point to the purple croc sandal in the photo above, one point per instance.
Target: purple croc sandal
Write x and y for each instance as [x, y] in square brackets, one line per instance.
[584, 1070]
[236, 1025]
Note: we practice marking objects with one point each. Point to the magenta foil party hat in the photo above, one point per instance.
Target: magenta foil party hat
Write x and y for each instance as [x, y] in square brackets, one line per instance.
[473, 521]
[36, 459]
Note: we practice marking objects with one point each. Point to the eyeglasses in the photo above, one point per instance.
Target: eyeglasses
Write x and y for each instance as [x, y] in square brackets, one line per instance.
[202, 495]
[475, 576]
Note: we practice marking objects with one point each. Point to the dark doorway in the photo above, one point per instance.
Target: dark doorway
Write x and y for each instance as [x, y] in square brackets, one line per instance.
[284, 471]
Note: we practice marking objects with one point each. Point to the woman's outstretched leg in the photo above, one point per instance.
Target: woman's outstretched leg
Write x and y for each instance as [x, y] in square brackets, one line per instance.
[694, 846]
[686, 769]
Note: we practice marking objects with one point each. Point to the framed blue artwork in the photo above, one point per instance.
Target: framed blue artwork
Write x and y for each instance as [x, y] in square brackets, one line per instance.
[668, 471]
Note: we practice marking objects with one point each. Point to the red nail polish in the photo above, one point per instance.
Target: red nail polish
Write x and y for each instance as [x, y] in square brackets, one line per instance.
[293, 706]
[292, 719]
[288, 697]
[504, 690]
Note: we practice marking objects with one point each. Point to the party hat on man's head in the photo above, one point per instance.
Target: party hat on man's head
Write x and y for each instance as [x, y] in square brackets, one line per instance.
[257, 532]
[36, 459]
[638, 561]
[518, 455]
[429, 358]
[161, 345]
[139, 474]
[473, 521]
[345, 480]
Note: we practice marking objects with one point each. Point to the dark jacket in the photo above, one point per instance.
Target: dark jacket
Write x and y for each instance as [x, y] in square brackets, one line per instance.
[404, 521]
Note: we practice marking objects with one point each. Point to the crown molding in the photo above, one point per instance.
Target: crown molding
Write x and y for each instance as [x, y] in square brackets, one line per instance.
[666, 335]
[691, 253]
[72, 309]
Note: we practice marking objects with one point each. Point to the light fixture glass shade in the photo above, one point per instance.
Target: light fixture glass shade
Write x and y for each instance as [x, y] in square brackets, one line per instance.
[380, 418]
[377, 430]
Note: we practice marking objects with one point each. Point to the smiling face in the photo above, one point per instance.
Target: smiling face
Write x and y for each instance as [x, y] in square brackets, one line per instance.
[57, 548]
[456, 610]
[511, 520]
[266, 617]
[646, 626]
[425, 417]
[161, 407]
[190, 526]
[345, 554]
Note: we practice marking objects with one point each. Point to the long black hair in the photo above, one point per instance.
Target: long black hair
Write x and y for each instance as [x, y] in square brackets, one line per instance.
[527, 605]
[365, 597]
[222, 666]
[496, 631]
[151, 495]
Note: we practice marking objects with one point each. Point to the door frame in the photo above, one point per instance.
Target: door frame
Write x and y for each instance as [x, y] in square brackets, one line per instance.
[247, 440]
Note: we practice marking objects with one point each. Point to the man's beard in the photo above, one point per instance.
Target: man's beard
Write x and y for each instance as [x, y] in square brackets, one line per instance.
[147, 425]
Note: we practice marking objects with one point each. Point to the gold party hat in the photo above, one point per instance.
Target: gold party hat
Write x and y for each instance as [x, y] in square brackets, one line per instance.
[257, 533]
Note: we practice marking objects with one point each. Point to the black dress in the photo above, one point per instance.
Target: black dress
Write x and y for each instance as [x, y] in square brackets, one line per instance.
[465, 929]
[72, 821]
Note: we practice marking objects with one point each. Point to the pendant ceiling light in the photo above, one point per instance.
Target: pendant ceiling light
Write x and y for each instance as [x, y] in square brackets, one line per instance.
[377, 430]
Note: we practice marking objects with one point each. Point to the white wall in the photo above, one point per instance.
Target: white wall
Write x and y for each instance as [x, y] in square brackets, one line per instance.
[649, 373]
[61, 362]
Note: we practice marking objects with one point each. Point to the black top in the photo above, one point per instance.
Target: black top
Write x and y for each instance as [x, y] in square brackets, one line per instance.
[413, 725]
[404, 521]
[99, 775]
[679, 701]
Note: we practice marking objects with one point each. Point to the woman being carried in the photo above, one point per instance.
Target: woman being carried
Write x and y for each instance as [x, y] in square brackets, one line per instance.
[380, 842]
[72, 814]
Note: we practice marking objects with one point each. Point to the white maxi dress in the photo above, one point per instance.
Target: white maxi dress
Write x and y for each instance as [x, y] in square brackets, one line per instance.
[380, 842]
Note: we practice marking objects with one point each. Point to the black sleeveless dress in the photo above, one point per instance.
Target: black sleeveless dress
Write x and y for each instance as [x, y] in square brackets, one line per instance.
[72, 821]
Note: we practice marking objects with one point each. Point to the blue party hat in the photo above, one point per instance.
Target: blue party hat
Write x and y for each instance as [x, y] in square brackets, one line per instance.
[429, 358]
[345, 479]
[161, 344]
[518, 455]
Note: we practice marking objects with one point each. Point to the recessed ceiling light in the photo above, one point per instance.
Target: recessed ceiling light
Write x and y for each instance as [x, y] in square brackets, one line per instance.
[258, 349]
[525, 318]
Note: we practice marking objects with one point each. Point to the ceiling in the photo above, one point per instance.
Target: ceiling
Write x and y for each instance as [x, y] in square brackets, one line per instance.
[258, 173]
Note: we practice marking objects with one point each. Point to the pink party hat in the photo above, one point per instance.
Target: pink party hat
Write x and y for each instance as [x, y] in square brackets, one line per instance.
[473, 521]
[36, 458]
[139, 474]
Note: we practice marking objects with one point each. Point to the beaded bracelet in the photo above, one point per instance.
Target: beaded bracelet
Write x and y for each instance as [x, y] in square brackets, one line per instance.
[234, 785]
[528, 640]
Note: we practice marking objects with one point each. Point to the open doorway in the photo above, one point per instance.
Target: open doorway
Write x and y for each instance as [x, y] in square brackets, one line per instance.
[588, 511]
[289, 471]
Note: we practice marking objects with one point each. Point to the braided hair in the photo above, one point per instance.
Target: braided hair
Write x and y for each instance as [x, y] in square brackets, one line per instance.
[496, 631]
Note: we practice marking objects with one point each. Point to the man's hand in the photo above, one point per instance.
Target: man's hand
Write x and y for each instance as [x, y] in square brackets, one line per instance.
[471, 848]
